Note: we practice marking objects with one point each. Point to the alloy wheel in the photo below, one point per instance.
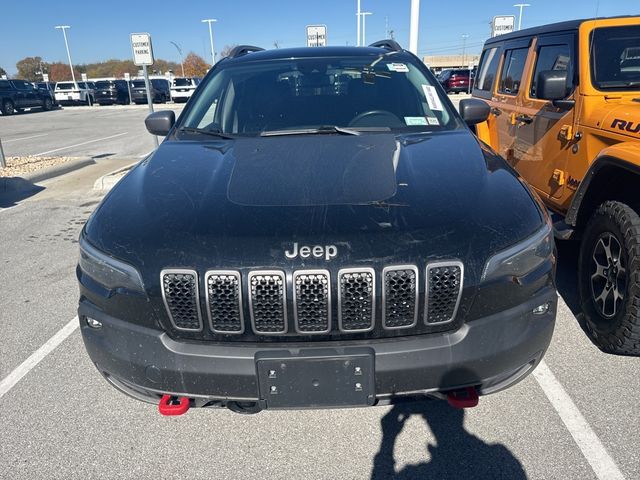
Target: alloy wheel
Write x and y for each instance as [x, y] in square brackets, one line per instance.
[608, 275]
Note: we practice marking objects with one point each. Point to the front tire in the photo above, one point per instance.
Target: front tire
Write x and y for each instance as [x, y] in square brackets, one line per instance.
[609, 278]
[47, 104]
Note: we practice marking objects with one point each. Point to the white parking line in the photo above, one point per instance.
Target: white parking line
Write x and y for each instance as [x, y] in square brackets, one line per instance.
[80, 144]
[25, 138]
[596, 454]
[590, 445]
[36, 357]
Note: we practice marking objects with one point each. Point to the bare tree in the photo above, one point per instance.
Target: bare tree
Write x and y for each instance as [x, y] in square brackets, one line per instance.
[227, 50]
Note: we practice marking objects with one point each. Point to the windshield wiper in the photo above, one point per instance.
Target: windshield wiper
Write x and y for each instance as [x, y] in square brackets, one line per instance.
[311, 131]
[620, 83]
[213, 133]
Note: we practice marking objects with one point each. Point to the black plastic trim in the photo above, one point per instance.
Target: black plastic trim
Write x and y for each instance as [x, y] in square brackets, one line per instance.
[571, 217]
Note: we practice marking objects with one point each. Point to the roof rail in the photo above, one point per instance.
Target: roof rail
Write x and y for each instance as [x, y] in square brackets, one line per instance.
[240, 50]
[388, 44]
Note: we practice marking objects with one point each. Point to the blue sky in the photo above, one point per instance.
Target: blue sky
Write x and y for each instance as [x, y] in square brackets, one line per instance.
[100, 29]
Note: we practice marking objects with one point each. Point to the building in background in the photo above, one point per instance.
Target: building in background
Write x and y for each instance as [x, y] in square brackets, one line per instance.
[438, 63]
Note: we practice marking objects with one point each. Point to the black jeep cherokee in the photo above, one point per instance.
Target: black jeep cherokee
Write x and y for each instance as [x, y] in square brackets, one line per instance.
[320, 228]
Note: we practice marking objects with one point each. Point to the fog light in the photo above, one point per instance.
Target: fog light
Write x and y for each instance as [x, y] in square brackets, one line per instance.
[542, 309]
[93, 323]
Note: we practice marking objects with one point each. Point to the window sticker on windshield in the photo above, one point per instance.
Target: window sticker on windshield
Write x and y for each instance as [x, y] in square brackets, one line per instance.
[398, 67]
[433, 121]
[432, 97]
[410, 121]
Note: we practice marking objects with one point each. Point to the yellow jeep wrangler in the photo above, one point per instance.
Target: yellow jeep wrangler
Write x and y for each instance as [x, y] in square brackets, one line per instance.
[565, 113]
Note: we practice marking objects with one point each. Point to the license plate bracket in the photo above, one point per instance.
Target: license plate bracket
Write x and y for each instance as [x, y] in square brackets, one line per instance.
[316, 379]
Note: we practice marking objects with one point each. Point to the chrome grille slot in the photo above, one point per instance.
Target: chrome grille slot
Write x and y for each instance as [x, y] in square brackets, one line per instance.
[181, 298]
[312, 301]
[399, 296]
[356, 299]
[224, 301]
[444, 289]
[267, 302]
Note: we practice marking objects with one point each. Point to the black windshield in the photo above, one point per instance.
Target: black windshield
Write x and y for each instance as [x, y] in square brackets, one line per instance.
[615, 59]
[250, 98]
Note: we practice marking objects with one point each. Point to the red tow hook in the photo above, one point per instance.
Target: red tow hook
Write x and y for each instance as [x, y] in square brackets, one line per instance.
[464, 398]
[168, 405]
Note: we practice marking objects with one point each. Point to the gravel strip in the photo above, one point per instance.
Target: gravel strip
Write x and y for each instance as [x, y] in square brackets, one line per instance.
[17, 166]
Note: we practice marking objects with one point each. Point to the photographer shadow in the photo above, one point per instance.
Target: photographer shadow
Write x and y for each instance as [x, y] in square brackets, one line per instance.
[457, 454]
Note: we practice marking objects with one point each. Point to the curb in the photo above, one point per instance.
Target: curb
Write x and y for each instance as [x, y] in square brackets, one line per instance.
[107, 181]
[9, 184]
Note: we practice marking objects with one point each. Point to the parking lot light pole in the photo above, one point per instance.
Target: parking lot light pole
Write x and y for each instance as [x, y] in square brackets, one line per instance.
[364, 27]
[464, 48]
[413, 26]
[180, 53]
[358, 28]
[66, 44]
[522, 6]
[213, 53]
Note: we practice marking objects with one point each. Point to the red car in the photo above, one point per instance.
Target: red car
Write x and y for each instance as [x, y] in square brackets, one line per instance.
[455, 80]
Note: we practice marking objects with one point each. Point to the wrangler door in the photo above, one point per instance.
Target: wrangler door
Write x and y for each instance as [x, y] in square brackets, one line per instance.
[544, 132]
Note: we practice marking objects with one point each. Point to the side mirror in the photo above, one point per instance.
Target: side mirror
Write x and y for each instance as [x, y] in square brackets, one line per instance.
[160, 123]
[474, 111]
[551, 85]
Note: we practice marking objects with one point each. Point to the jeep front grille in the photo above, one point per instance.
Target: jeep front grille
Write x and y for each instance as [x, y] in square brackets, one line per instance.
[312, 301]
[444, 289]
[356, 299]
[180, 294]
[316, 297]
[268, 302]
[399, 296]
[224, 301]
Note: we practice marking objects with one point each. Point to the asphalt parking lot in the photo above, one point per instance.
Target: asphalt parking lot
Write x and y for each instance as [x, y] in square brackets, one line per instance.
[100, 131]
[576, 417]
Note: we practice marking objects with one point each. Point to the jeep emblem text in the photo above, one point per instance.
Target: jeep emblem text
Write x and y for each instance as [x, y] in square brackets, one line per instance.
[318, 251]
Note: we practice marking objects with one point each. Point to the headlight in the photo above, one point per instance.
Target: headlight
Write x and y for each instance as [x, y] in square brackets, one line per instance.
[108, 271]
[522, 258]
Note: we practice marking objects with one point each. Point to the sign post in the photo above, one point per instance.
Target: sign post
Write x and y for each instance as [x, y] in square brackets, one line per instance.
[316, 35]
[3, 162]
[127, 78]
[143, 56]
[502, 24]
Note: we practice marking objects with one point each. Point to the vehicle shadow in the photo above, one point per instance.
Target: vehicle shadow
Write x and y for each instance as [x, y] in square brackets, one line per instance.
[567, 274]
[456, 454]
[15, 189]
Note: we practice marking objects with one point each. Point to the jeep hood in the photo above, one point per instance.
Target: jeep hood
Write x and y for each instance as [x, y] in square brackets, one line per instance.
[377, 197]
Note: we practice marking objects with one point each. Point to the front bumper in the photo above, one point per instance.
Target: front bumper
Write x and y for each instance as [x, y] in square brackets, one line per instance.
[491, 354]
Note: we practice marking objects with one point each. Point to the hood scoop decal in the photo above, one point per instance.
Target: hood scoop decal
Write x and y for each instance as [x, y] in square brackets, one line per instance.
[313, 170]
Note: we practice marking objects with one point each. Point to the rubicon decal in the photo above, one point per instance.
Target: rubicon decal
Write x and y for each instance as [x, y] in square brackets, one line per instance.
[318, 251]
[626, 126]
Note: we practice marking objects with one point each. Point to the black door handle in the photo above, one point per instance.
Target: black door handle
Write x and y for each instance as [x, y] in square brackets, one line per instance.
[524, 119]
[496, 111]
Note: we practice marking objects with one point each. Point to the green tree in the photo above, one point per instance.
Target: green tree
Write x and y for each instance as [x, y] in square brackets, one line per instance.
[2, 72]
[31, 68]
